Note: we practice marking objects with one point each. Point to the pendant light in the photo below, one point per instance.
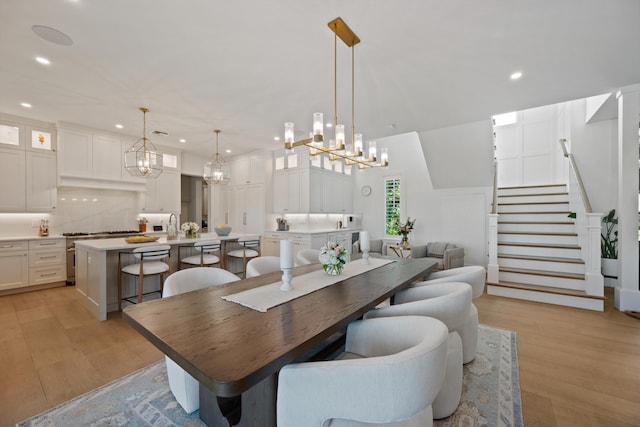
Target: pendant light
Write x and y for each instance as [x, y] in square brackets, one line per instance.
[215, 172]
[143, 159]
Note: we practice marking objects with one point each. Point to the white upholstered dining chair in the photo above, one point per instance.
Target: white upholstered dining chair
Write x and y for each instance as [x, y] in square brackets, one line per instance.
[263, 265]
[184, 387]
[450, 303]
[391, 371]
[474, 275]
[308, 256]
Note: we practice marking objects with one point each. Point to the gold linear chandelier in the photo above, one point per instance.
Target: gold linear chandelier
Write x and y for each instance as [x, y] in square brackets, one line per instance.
[352, 153]
[143, 158]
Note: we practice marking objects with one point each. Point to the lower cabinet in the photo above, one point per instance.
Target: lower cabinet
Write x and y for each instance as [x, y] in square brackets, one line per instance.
[32, 262]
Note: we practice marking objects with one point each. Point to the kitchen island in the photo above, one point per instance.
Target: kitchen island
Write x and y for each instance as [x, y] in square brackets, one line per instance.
[97, 268]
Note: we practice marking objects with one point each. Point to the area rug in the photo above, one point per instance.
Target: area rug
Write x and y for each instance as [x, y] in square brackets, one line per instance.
[490, 395]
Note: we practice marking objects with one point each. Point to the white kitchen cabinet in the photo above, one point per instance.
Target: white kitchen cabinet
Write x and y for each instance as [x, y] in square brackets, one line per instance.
[271, 244]
[47, 261]
[75, 155]
[14, 264]
[246, 208]
[41, 189]
[107, 156]
[247, 170]
[291, 191]
[329, 192]
[163, 193]
[12, 180]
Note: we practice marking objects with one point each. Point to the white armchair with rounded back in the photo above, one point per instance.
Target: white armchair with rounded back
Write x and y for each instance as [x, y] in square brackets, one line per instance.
[263, 265]
[391, 371]
[184, 387]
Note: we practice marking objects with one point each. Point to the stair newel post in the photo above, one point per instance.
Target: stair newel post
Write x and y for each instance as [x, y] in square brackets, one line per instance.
[492, 266]
[594, 281]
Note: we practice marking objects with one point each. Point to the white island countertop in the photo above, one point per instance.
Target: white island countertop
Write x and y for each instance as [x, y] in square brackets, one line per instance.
[319, 231]
[119, 243]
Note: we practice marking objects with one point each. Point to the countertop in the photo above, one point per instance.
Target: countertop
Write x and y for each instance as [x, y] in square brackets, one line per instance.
[119, 242]
[33, 237]
[320, 231]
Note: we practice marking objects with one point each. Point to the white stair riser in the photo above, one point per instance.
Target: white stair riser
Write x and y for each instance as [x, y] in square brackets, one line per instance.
[529, 264]
[532, 217]
[535, 238]
[539, 251]
[532, 279]
[565, 300]
[533, 198]
[547, 207]
[538, 227]
[532, 190]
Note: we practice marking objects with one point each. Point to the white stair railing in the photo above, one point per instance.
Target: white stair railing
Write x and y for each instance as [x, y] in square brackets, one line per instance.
[588, 226]
[492, 266]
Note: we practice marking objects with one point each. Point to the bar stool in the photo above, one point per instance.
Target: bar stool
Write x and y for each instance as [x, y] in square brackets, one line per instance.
[151, 263]
[250, 249]
[206, 258]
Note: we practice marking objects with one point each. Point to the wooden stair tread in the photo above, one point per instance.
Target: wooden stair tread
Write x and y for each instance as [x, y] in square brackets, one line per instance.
[532, 186]
[540, 233]
[540, 245]
[546, 289]
[543, 258]
[537, 222]
[546, 273]
[533, 203]
[534, 212]
[534, 194]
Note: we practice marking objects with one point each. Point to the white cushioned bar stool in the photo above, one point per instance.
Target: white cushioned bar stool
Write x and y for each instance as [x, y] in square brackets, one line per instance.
[250, 249]
[263, 265]
[390, 372]
[184, 387]
[151, 262]
[206, 256]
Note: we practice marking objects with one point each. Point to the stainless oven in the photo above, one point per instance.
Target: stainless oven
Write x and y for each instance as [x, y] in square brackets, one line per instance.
[71, 247]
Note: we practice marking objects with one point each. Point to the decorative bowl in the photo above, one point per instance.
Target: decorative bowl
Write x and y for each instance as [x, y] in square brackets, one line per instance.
[223, 231]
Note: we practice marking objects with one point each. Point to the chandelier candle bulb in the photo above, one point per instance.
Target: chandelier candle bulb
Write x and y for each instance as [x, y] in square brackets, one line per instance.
[318, 124]
[357, 144]
[384, 156]
[288, 132]
[339, 137]
[372, 151]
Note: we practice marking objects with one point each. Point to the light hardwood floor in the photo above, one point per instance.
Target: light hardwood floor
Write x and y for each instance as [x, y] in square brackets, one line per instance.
[577, 367]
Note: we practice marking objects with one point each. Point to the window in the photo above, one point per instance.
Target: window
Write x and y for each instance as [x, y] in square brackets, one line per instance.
[392, 205]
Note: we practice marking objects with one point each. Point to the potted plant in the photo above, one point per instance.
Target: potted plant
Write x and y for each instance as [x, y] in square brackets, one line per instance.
[609, 245]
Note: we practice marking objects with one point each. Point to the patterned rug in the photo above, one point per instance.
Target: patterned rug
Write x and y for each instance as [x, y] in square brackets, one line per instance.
[490, 395]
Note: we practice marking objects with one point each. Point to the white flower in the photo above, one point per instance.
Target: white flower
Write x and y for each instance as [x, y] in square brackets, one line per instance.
[190, 227]
[333, 254]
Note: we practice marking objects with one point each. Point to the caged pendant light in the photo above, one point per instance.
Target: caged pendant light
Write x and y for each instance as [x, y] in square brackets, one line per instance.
[215, 172]
[143, 159]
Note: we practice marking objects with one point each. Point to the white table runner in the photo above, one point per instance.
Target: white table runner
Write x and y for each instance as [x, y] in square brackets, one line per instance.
[269, 296]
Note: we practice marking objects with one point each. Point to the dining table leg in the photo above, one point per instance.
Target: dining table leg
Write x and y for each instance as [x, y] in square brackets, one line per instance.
[255, 407]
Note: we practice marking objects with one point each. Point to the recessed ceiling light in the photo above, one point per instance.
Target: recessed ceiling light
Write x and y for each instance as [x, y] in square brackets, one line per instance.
[119, 126]
[182, 140]
[276, 138]
[42, 60]
[516, 75]
[227, 151]
[26, 105]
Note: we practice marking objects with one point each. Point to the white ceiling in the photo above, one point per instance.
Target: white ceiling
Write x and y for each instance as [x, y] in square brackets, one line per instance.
[248, 66]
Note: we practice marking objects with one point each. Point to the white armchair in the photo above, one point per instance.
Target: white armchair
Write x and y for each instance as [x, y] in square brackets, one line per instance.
[474, 275]
[184, 387]
[450, 303]
[390, 373]
[263, 265]
[308, 256]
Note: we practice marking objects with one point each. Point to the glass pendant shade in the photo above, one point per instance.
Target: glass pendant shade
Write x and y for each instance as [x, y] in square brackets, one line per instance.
[143, 159]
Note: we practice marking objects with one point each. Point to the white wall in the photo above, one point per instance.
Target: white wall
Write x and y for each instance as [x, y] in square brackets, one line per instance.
[595, 149]
[456, 215]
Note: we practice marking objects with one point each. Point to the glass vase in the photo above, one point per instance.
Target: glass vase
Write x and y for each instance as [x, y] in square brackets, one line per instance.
[190, 234]
[405, 241]
[333, 270]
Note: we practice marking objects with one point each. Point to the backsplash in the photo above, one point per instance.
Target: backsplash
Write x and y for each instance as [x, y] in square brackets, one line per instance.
[310, 222]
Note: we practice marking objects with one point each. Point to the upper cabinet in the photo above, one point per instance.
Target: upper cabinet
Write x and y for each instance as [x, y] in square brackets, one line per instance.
[95, 159]
[27, 165]
[304, 184]
[247, 170]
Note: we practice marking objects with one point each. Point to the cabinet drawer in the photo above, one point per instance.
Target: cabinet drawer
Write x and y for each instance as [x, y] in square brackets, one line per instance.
[14, 245]
[14, 272]
[46, 274]
[47, 257]
[47, 244]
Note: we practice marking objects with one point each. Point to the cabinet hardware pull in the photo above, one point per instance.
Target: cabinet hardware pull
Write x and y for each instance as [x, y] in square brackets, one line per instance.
[48, 257]
[6, 246]
[47, 244]
[48, 274]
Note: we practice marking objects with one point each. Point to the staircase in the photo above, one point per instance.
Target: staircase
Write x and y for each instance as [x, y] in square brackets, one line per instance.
[538, 254]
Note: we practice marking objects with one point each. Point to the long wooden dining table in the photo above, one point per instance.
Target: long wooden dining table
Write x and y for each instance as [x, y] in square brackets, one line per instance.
[236, 352]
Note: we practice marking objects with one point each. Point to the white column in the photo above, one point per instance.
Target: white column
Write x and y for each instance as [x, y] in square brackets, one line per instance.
[492, 266]
[627, 295]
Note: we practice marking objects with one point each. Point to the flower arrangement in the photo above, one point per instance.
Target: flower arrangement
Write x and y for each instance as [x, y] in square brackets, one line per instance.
[143, 220]
[405, 229]
[190, 228]
[333, 258]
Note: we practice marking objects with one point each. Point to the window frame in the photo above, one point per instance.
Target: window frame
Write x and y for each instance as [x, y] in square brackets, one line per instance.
[400, 203]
